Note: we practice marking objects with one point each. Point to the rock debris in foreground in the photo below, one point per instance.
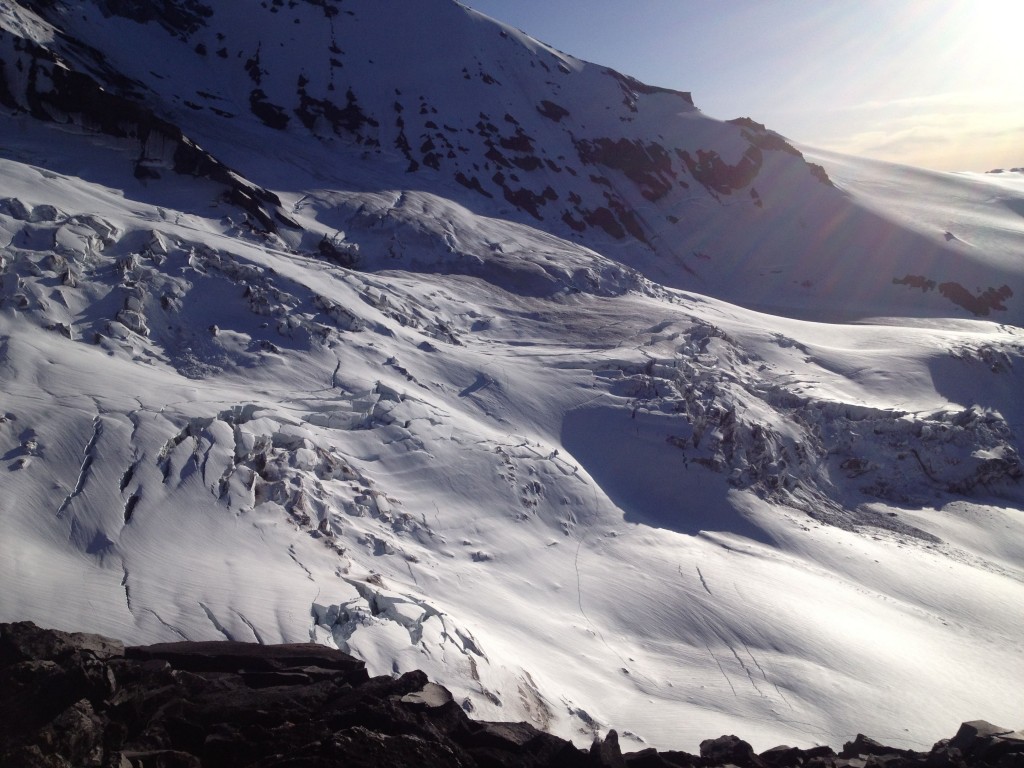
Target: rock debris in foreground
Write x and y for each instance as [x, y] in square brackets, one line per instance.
[70, 699]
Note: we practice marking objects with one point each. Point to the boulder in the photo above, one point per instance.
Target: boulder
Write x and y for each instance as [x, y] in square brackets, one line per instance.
[990, 743]
[24, 641]
[229, 656]
[862, 746]
[729, 750]
[606, 753]
[783, 756]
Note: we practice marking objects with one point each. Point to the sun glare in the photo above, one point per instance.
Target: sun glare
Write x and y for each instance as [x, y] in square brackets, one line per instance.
[992, 29]
[1002, 18]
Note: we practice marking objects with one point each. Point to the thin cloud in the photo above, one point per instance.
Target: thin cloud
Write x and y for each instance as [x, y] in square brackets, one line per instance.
[937, 140]
[955, 130]
[957, 98]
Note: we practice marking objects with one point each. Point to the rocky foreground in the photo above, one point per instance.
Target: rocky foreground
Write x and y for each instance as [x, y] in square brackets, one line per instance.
[71, 699]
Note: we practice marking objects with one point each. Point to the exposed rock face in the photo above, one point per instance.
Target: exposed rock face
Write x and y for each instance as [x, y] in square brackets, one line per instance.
[980, 304]
[728, 750]
[37, 82]
[574, 171]
[84, 700]
[983, 742]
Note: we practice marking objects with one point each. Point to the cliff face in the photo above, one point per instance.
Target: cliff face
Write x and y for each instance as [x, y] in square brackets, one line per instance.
[86, 700]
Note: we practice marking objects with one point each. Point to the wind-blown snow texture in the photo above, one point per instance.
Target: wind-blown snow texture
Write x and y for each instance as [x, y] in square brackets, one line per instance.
[383, 324]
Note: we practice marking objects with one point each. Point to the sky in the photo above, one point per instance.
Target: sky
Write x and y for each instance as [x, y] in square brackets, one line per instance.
[933, 83]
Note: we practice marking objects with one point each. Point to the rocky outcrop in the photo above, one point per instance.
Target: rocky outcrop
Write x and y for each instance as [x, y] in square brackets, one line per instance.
[980, 304]
[588, 153]
[36, 81]
[84, 700]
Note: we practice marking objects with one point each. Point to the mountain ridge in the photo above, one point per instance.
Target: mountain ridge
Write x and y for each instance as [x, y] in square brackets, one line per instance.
[616, 181]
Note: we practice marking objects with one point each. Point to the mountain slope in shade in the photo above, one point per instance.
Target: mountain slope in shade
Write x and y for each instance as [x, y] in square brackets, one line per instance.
[408, 334]
[511, 127]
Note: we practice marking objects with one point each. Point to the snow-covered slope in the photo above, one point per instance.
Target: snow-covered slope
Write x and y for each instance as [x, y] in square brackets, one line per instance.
[385, 325]
[300, 96]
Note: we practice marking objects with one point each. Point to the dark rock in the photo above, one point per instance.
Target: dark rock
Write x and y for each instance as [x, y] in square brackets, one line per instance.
[270, 114]
[552, 111]
[520, 142]
[69, 699]
[52, 93]
[862, 746]
[648, 166]
[471, 183]
[944, 756]
[783, 756]
[979, 305]
[651, 758]
[763, 138]
[633, 85]
[819, 753]
[80, 700]
[729, 749]
[605, 219]
[606, 754]
[76, 734]
[681, 759]
[718, 176]
[915, 281]
[44, 673]
[990, 743]
[24, 641]
[820, 174]
[574, 224]
[525, 200]
[349, 119]
[506, 744]
[345, 257]
[161, 758]
[227, 656]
